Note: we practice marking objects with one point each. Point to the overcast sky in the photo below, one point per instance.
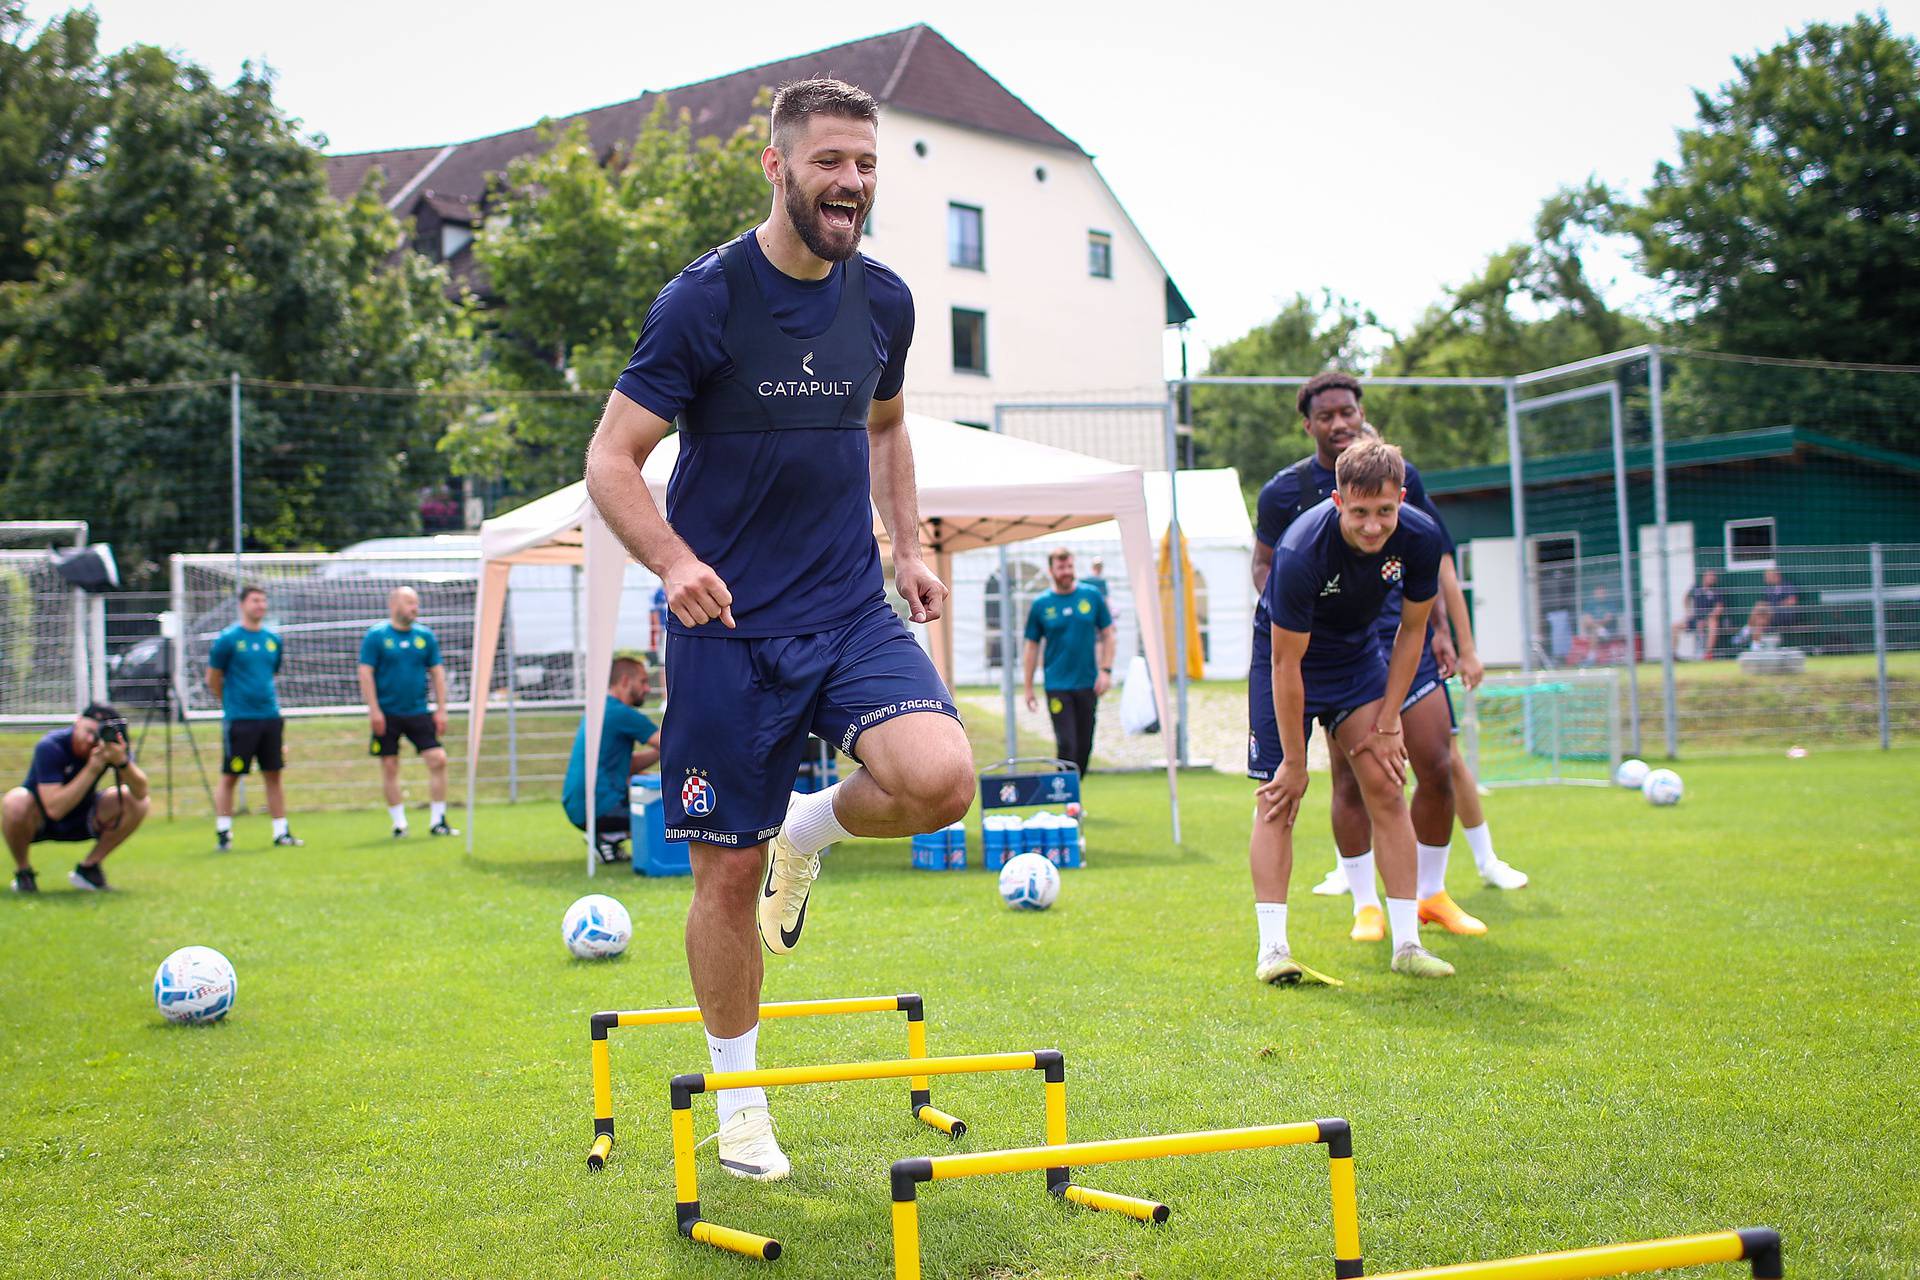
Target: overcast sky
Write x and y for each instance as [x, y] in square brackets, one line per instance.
[1381, 150]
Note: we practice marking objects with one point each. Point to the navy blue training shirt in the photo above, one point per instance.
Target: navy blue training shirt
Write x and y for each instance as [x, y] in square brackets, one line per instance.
[771, 489]
[1333, 592]
[1280, 497]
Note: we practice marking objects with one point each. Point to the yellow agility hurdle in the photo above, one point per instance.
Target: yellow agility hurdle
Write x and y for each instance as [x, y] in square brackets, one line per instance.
[686, 1183]
[919, 1096]
[1057, 1159]
[1758, 1246]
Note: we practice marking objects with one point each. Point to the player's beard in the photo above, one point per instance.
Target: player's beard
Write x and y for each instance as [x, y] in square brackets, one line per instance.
[829, 244]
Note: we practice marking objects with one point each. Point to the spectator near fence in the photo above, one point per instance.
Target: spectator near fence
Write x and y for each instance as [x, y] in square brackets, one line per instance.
[629, 743]
[61, 799]
[1773, 614]
[1706, 614]
[1077, 627]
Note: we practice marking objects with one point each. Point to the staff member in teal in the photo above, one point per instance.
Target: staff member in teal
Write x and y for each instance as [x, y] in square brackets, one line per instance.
[398, 659]
[240, 673]
[1074, 621]
[629, 743]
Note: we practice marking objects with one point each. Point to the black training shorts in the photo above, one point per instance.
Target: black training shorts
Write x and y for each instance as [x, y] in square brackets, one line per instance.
[244, 741]
[77, 825]
[418, 730]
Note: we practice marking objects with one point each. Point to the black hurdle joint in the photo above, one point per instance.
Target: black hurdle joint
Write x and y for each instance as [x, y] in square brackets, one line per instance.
[1347, 1268]
[602, 1023]
[918, 1098]
[682, 1089]
[1762, 1248]
[1339, 1139]
[911, 1006]
[1058, 1180]
[908, 1174]
[603, 1126]
[1050, 1061]
[686, 1214]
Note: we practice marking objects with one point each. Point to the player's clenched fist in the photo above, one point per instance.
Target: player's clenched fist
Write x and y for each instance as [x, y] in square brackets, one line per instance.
[924, 593]
[695, 593]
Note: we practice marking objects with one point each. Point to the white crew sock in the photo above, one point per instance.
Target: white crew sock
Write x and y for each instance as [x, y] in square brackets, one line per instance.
[812, 824]
[1432, 869]
[439, 808]
[1360, 881]
[1403, 918]
[1272, 919]
[223, 824]
[1480, 840]
[398, 812]
[736, 1054]
[279, 827]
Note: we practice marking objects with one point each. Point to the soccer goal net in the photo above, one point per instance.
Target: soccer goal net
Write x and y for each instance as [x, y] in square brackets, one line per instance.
[43, 623]
[1543, 727]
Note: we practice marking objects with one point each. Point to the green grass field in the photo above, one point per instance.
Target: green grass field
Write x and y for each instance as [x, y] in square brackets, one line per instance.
[1695, 1019]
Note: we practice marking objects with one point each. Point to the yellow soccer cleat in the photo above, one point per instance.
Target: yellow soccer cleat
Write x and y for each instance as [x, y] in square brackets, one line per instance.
[1415, 961]
[1278, 967]
[1442, 910]
[1369, 925]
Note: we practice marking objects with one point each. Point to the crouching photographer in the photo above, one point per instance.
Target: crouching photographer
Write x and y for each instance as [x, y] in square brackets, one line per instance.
[62, 798]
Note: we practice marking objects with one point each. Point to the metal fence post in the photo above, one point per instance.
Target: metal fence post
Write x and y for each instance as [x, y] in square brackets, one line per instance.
[1672, 709]
[1877, 562]
[1174, 547]
[1624, 523]
[1516, 478]
[233, 401]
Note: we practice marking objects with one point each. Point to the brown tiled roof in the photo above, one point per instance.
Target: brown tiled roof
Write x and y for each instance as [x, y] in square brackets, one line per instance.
[914, 69]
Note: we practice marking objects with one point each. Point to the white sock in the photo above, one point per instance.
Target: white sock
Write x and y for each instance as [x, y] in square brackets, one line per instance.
[223, 824]
[811, 822]
[1432, 869]
[279, 827]
[398, 812]
[1360, 880]
[736, 1054]
[1480, 840]
[1403, 918]
[1272, 919]
[439, 808]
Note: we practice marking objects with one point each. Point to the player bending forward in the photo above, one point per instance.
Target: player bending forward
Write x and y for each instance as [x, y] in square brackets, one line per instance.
[783, 354]
[1332, 572]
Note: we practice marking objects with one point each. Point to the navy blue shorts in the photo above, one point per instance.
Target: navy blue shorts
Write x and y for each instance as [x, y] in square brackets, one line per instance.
[742, 708]
[1426, 679]
[1332, 696]
[74, 826]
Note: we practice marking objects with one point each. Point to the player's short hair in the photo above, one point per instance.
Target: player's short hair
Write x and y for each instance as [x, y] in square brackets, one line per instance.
[100, 711]
[624, 669]
[799, 101]
[1058, 554]
[1331, 380]
[249, 589]
[1371, 465]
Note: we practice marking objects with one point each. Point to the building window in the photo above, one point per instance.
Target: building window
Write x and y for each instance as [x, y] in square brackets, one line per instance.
[1003, 642]
[1750, 543]
[1100, 255]
[965, 248]
[969, 340]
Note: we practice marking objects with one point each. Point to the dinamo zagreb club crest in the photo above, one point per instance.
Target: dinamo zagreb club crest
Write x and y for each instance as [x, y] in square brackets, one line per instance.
[696, 796]
[1390, 569]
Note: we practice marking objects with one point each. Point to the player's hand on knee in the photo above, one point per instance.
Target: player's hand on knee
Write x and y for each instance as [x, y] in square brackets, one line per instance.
[696, 595]
[925, 594]
[1388, 745]
[1279, 798]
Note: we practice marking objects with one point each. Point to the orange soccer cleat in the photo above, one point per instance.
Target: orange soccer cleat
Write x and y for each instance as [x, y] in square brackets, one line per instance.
[1442, 910]
[1369, 925]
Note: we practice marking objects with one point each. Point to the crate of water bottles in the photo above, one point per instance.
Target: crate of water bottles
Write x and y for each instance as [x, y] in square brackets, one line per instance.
[942, 850]
[1054, 836]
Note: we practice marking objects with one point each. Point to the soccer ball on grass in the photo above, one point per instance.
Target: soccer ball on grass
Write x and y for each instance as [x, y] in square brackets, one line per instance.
[195, 984]
[1028, 882]
[1631, 773]
[596, 927]
[1662, 787]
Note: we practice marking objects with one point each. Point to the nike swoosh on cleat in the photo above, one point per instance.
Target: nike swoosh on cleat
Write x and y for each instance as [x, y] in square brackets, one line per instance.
[753, 1169]
[788, 939]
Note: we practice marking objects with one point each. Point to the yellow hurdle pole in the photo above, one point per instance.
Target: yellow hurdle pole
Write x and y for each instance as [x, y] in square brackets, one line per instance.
[919, 1096]
[906, 1238]
[602, 1095]
[1758, 1245]
[741, 1242]
[1120, 1150]
[1113, 1202]
[837, 1072]
[1347, 1262]
[780, 1009]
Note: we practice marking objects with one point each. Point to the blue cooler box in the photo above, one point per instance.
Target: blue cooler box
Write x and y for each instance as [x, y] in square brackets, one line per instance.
[653, 853]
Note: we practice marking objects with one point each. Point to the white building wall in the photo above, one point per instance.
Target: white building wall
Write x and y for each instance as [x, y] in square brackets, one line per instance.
[1053, 330]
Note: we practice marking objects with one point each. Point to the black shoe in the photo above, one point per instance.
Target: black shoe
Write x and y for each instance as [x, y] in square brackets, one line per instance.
[223, 841]
[613, 851]
[92, 879]
[441, 828]
[399, 833]
[23, 881]
[288, 840]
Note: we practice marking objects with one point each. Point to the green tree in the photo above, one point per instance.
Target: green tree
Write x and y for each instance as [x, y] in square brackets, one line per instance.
[576, 248]
[203, 242]
[1256, 429]
[1788, 226]
[52, 104]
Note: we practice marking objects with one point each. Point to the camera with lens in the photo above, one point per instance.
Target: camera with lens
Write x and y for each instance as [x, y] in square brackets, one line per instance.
[113, 729]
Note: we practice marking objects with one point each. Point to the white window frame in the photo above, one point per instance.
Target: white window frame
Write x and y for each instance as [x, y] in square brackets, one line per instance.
[1742, 564]
[980, 229]
[981, 371]
[1106, 238]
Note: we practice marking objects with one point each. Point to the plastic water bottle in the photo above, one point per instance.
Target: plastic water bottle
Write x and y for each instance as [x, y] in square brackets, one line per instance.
[956, 836]
[1072, 851]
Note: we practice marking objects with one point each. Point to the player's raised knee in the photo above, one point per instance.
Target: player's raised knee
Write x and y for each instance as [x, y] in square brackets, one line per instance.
[940, 791]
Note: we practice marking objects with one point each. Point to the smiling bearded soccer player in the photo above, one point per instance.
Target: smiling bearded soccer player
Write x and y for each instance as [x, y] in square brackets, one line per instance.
[1332, 573]
[783, 354]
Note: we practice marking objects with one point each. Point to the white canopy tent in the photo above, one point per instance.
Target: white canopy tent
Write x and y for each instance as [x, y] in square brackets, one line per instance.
[976, 489]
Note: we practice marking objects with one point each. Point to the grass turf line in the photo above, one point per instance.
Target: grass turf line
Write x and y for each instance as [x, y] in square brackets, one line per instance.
[1696, 1018]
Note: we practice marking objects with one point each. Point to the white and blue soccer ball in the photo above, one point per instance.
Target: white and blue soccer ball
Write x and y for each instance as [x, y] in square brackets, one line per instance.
[596, 927]
[1662, 787]
[195, 984]
[1028, 882]
[1631, 773]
